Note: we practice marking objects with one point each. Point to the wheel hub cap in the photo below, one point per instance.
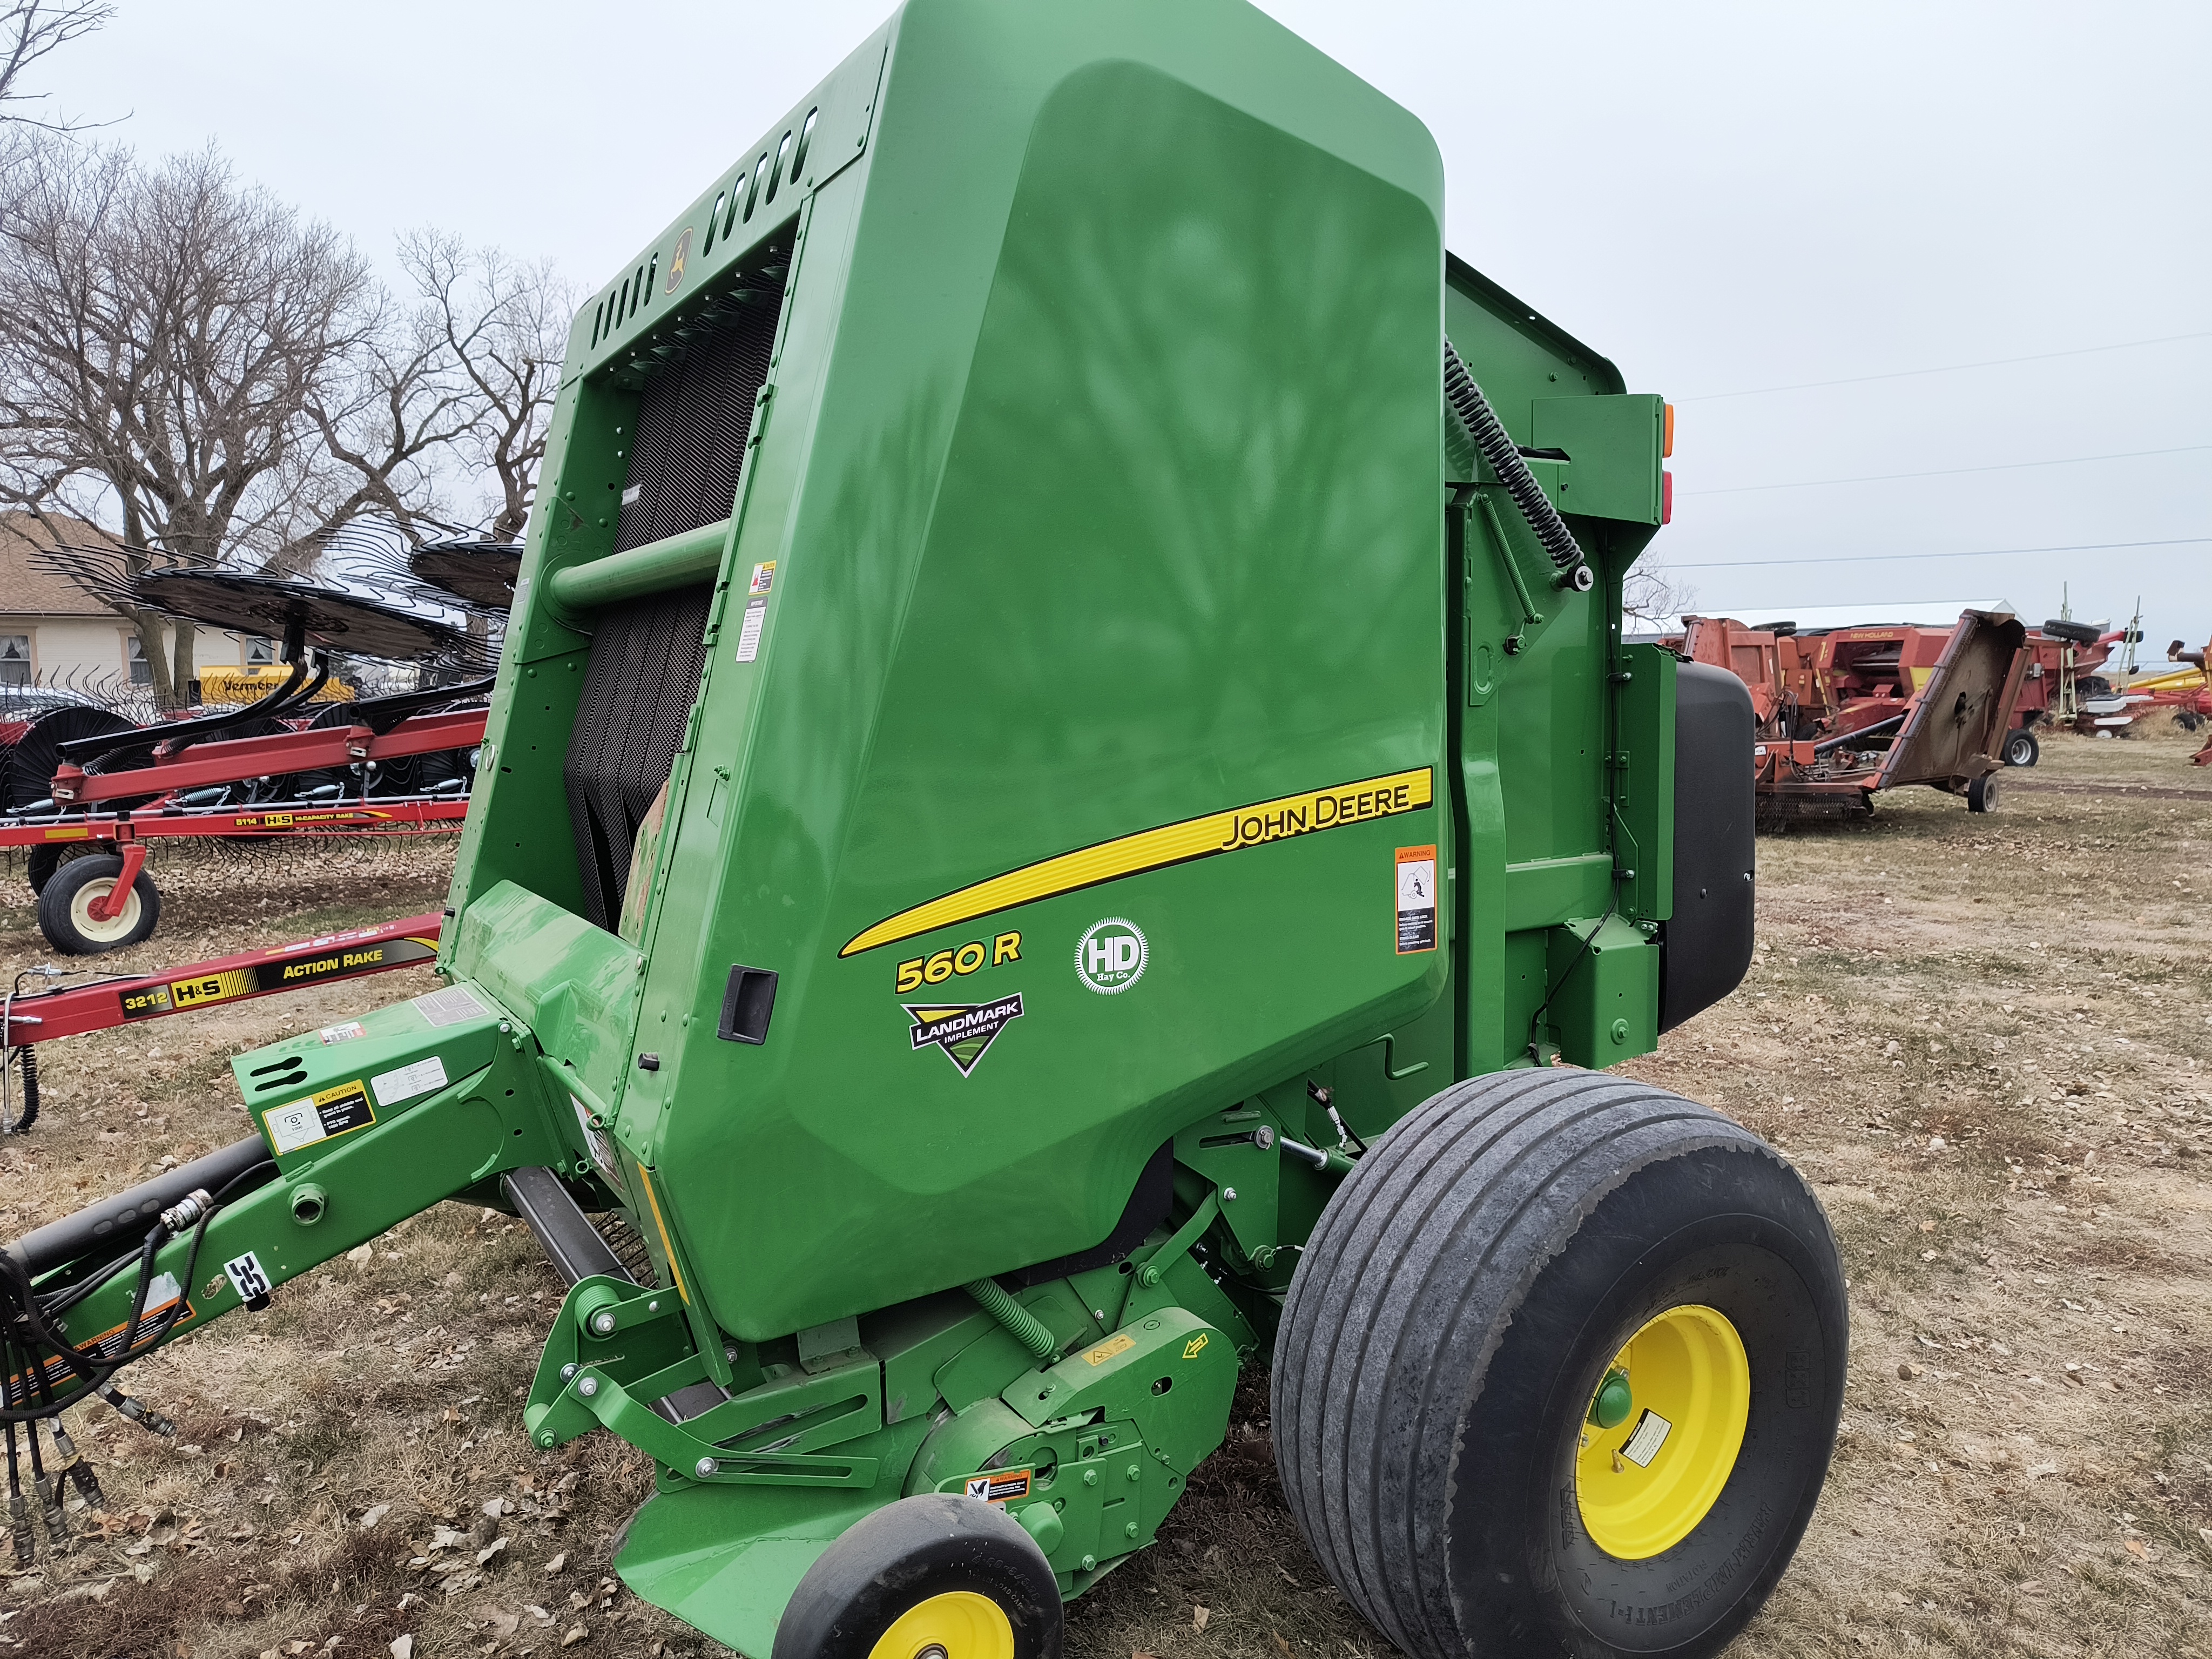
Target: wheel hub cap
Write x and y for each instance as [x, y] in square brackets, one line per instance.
[1662, 1431]
[957, 1624]
[93, 928]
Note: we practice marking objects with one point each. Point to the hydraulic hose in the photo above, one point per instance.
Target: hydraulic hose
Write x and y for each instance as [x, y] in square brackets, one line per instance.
[1876, 729]
[1503, 455]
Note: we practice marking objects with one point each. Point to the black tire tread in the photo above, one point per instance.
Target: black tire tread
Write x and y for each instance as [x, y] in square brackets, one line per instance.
[62, 887]
[1454, 1212]
[908, 1544]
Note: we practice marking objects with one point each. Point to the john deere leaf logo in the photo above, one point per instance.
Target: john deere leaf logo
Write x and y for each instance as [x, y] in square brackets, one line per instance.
[965, 1031]
[678, 260]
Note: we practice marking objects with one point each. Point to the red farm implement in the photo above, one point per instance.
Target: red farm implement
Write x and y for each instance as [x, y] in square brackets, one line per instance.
[116, 793]
[1845, 713]
[28, 1018]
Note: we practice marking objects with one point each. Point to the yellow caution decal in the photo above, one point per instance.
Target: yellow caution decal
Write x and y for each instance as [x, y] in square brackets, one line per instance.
[1304, 814]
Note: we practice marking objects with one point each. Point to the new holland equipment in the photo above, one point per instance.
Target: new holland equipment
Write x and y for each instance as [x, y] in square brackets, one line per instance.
[1064, 815]
[1843, 713]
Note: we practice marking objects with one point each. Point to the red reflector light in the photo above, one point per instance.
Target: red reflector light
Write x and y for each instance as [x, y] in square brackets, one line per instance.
[1666, 496]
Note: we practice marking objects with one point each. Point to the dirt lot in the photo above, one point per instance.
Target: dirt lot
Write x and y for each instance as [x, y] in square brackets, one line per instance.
[1985, 1039]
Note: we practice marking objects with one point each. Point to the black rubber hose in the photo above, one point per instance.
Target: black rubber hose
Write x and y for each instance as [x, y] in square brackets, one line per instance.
[1503, 455]
[100, 1226]
[87, 1367]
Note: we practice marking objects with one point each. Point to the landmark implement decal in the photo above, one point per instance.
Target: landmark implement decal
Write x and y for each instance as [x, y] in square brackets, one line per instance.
[1232, 831]
[962, 1030]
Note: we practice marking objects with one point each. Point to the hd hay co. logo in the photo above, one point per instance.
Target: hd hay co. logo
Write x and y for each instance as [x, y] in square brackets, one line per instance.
[965, 1031]
[1111, 956]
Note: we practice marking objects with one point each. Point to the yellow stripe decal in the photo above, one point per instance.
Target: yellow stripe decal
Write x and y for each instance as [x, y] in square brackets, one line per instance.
[667, 1244]
[1303, 814]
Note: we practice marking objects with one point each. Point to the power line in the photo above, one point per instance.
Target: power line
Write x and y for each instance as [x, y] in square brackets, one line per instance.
[1890, 558]
[1946, 368]
[1948, 472]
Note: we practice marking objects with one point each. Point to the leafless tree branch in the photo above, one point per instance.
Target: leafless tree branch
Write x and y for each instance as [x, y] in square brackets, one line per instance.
[168, 334]
[506, 327]
[29, 29]
[1651, 595]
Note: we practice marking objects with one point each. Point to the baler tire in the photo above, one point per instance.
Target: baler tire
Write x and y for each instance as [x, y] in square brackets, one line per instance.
[2021, 748]
[1470, 1290]
[925, 1561]
[1983, 794]
[62, 915]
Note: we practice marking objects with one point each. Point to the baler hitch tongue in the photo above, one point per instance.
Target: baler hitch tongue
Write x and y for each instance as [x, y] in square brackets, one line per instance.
[57, 1267]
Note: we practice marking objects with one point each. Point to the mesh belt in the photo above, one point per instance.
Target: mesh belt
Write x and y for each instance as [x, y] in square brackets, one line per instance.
[693, 419]
[695, 413]
[638, 689]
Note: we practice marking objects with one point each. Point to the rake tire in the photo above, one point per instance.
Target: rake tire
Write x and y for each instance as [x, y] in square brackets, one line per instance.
[1456, 1309]
[65, 922]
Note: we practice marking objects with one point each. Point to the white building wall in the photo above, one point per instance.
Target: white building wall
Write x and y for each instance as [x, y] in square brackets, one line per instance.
[90, 648]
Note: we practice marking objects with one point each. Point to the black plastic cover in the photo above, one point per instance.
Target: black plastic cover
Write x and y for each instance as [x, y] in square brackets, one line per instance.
[1146, 1210]
[1705, 948]
[114, 1227]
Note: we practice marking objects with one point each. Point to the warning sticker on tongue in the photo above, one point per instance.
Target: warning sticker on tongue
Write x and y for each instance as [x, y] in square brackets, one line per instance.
[450, 1007]
[319, 1117]
[1650, 1433]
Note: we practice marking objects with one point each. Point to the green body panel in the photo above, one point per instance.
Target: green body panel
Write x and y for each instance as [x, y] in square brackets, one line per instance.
[1108, 617]
[426, 1102]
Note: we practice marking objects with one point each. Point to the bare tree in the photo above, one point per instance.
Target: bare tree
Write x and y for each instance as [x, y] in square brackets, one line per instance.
[166, 334]
[506, 326]
[386, 417]
[29, 29]
[1650, 595]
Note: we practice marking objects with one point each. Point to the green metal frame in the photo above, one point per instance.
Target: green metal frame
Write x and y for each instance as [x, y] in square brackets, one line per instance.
[1112, 512]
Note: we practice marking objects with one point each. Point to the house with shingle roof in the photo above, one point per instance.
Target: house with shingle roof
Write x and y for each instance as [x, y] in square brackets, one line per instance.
[54, 633]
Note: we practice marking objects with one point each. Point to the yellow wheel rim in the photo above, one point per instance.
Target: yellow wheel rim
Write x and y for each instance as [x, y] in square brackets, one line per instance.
[957, 1625]
[1643, 1485]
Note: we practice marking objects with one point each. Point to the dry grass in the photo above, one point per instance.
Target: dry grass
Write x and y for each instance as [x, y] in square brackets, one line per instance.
[2027, 987]
[394, 1383]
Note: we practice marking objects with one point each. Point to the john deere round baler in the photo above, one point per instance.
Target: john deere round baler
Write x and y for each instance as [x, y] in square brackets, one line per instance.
[1065, 814]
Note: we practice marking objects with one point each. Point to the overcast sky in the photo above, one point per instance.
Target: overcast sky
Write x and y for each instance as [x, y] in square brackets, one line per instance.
[1723, 198]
